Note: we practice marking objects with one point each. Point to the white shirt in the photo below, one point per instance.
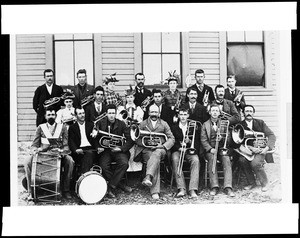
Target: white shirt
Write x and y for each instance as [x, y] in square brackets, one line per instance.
[183, 128]
[153, 123]
[64, 114]
[249, 124]
[96, 106]
[49, 88]
[192, 105]
[84, 140]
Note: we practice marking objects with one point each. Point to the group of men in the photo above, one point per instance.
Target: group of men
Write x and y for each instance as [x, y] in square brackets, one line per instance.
[169, 125]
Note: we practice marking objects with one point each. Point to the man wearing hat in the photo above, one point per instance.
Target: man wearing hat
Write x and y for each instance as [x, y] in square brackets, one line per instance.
[141, 93]
[82, 89]
[110, 96]
[67, 115]
[43, 93]
[98, 107]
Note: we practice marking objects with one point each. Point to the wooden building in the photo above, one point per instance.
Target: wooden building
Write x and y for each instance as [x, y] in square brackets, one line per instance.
[252, 55]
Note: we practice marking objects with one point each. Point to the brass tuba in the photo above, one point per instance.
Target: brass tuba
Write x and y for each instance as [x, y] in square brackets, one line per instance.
[149, 139]
[109, 140]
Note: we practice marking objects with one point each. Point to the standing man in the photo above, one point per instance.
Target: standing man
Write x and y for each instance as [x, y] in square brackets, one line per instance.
[43, 93]
[141, 93]
[81, 144]
[182, 133]
[98, 107]
[234, 94]
[256, 165]
[226, 106]
[165, 113]
[153, 156]
[208, 139]
[202, 89]
[51, 136]
[82, 89]
[118, 153]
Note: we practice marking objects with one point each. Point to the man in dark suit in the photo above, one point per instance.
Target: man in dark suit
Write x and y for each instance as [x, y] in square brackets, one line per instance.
[202, 89]
[81, 144]
[253, 162]
[234, 94]
[98, 107]
[82, 89]
[118, 153]
[226, 106]
[141, 93]
[45, 92]
[166, 112]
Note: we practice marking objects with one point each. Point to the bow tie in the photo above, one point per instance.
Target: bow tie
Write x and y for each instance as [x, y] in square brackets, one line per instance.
[219, 103]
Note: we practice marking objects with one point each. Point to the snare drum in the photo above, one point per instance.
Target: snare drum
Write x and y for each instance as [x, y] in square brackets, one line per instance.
[91, 187]
[45, 177]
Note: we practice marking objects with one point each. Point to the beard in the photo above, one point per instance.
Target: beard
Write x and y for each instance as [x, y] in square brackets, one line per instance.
[51, 121]
[140, 84]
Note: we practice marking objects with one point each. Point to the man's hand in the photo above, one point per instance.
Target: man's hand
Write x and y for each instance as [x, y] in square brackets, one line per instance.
[255, 150]
[213, 150]
[116, 149]
[100, 150]
[94, 133]
[264, 150]
[158, 147]
[79, 151]
[187, 140]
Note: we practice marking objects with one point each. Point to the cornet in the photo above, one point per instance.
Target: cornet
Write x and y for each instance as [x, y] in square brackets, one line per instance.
[87, 100]
[205, 98]
[149, 139]
[54, 100]
[146, 102]
[238, 97]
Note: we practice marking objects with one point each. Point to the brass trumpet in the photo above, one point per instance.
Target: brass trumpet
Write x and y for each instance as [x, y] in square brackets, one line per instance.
[87, 100]
[146, 102]
[149, 139]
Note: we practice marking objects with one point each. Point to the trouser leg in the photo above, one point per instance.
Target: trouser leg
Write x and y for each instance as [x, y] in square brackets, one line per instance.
[227, 171]
[121, 160]
[194, 171]
[213, 177]
[68, 164]
[87, 161]
[180, 182]
[246, 167]
[257, 165]
[105, 162]
[27, 167]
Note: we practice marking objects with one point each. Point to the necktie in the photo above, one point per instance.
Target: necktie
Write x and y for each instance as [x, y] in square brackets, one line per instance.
[215, 126]
[192, 108]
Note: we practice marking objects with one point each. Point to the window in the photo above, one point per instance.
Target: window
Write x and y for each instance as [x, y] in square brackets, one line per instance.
[73, 52]
[161, 53]
[245, 57]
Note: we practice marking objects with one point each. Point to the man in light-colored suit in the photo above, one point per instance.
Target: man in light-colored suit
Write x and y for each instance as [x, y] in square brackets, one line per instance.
[154, 155]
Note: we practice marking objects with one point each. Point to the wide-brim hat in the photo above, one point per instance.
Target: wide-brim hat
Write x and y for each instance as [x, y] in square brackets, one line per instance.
[111, 78]
[129, 91]
[68, 95]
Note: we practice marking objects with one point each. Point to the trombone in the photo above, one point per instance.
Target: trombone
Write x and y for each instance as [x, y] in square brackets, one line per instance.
[188, 150]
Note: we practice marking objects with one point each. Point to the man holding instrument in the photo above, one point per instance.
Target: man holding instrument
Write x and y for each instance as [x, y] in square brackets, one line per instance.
[81, 144]
[256, 165]
[183, 133]
[114, 137]
[51, 137]
[209, 140]
[154, 152]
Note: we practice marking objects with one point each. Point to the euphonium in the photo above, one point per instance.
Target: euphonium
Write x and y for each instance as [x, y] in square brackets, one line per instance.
[149, 139]
[109, 140]
[87, 100]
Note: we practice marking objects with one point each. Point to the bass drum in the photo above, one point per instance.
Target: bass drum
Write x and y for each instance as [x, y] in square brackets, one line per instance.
[91, 187]
[45, 177]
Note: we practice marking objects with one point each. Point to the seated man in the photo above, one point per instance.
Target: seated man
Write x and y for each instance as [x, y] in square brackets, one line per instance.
[81, 144]
[45, 133]
[182, 136]
[110, 128]
[209, 140]
[153, 155]
[255, 165]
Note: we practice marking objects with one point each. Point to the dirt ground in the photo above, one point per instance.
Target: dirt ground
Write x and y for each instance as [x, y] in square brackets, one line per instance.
[141, 195]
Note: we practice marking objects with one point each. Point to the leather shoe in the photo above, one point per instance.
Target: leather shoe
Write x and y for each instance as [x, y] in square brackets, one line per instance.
[67, 195]
[125, 188]
[181, 193]
[110, 194]
[155, 196]
[213, 191]
[229, 192]
[147, 181]
[193, 194]
[249, 187]
[265, 188]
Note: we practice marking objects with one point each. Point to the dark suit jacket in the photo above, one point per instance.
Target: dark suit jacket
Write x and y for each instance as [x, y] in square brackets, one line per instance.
[119, 128]
[199, 114]
[231, 97]
[41, 94]
[75, 137]
[229, 107]
[140, 97]
[89, 90]
[166, 114]
[260, 126]
[211, 96]
[91, 113]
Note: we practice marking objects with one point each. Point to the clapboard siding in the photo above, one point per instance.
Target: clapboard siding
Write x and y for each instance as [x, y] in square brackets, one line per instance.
[31, 62]
[118, 56]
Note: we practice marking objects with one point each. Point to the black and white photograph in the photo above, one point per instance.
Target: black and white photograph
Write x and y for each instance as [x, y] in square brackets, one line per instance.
[150, 120]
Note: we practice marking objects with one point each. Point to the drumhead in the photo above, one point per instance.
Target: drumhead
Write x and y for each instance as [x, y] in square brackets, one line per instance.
[91, 188]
